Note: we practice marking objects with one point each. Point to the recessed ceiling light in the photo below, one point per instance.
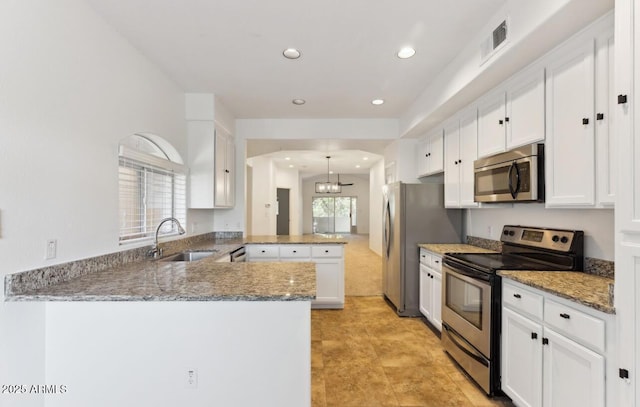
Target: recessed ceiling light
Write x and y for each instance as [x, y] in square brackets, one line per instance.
[290, 165]
[287, 158]
[377, 102]
[365, 158]
[330, 172]
[291, 53]
[357, 166]
[406, 52]
[298, 102]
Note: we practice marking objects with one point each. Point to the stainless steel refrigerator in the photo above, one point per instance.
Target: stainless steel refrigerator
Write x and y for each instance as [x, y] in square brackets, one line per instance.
[413, 214]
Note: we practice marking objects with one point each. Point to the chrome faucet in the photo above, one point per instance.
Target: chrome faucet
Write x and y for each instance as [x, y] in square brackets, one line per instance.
[155, 251]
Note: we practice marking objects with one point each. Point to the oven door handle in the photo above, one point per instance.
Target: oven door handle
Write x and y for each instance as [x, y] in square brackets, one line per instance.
[514, 190]
[453, 336]
[467, 271]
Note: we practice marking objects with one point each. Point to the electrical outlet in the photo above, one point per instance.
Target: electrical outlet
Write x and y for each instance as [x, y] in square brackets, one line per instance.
[51, 249]
[191, 381]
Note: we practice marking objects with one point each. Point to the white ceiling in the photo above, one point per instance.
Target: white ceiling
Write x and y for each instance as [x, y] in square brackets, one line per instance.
[233, 48]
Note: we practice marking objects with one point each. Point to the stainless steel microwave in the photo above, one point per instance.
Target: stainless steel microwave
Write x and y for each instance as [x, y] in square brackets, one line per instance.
[516, 175]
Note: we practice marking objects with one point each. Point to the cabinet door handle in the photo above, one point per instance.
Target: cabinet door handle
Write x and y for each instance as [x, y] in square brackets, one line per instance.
[565, 316]
[500, 122]
[426, 155]
[227, 171]
[428, 274]
[600, 116]
[326, 251]
[517, 295]
[506, 119]
[622, 99]
[295, 251]
[455, 162]
[437, 261]
[534, 335]
[545, 341]
[585, 121]
[432, 276]
[262, 251]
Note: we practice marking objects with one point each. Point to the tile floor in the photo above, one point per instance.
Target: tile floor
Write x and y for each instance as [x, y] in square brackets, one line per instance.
[366, 356]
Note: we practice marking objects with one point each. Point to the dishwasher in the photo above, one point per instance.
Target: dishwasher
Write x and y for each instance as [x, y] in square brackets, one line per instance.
[239, 255]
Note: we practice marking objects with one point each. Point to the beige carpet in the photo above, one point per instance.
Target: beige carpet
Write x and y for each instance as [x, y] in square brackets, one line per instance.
[362, 268]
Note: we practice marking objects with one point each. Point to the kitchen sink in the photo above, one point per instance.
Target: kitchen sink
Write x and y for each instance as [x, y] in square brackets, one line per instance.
[189, 255]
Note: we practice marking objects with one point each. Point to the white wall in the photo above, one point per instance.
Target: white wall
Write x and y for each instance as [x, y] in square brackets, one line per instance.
[597, 224]
[289, 178]
[71, 89]
[263, 196]
[376, 181]
[401, 156]
[359, 189]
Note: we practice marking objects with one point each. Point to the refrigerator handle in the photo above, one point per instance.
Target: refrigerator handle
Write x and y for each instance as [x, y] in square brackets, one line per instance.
[387, 228]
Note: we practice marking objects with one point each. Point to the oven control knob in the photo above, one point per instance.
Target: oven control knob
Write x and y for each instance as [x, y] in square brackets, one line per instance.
[555, 238]
[506, 233]
[511, 233]
[564, 239]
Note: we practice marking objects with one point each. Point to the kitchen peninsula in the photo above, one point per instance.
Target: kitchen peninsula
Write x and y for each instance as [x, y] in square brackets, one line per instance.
[176, 333]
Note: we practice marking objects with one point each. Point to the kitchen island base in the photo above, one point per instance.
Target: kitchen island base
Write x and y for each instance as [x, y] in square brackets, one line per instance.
[240, 353]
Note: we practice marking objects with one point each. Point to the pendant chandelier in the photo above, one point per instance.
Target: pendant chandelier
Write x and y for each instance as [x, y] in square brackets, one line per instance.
[328, 187]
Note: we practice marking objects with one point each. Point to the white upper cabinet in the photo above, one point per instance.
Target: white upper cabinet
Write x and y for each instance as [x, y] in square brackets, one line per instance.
[491, 123]
[224, 176]
[211, 165]
[604, 121]
[460, 146]
[570, 145]
[525, 107]
[431, 154]
[211, 155]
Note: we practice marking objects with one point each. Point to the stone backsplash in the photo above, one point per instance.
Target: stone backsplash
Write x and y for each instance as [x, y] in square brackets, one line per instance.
[489, 244]
[45, 276]
[599, 267]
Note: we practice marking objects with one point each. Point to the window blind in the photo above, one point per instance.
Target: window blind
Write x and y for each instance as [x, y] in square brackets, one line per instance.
[150, 189]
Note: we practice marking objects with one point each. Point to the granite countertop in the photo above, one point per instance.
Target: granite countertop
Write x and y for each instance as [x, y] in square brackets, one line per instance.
[109, 278]
[587, 289]
[442, 248]
[202, 280]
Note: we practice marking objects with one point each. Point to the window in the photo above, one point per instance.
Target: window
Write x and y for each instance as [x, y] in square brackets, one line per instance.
[334, 214]
[151, 188]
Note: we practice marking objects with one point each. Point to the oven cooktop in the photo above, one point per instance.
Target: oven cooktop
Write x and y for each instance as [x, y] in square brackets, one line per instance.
[491, 262]
[528, 248]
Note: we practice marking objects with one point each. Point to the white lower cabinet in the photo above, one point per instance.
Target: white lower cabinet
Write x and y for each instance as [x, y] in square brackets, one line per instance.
[329, 260]
[573, 375]
[431, 287]
[557, 359]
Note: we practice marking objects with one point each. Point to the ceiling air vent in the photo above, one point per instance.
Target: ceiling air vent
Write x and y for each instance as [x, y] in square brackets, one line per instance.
[493, 42]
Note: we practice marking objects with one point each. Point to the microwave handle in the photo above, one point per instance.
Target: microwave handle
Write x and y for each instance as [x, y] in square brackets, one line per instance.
[514, 190]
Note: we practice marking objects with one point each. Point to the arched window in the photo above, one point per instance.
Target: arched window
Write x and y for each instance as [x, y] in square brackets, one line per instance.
[152, 186]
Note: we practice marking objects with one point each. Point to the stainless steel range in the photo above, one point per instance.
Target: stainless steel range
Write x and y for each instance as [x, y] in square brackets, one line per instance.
[471, 293]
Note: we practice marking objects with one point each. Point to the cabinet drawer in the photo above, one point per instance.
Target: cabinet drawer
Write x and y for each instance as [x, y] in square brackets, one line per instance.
[425, 257]
[267, 251]
[582, 327]
[294, 251]
[436, 263]
[523, 300]
[326, 251]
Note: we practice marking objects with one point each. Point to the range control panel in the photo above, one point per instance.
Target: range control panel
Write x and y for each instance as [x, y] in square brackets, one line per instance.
[552, 239]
